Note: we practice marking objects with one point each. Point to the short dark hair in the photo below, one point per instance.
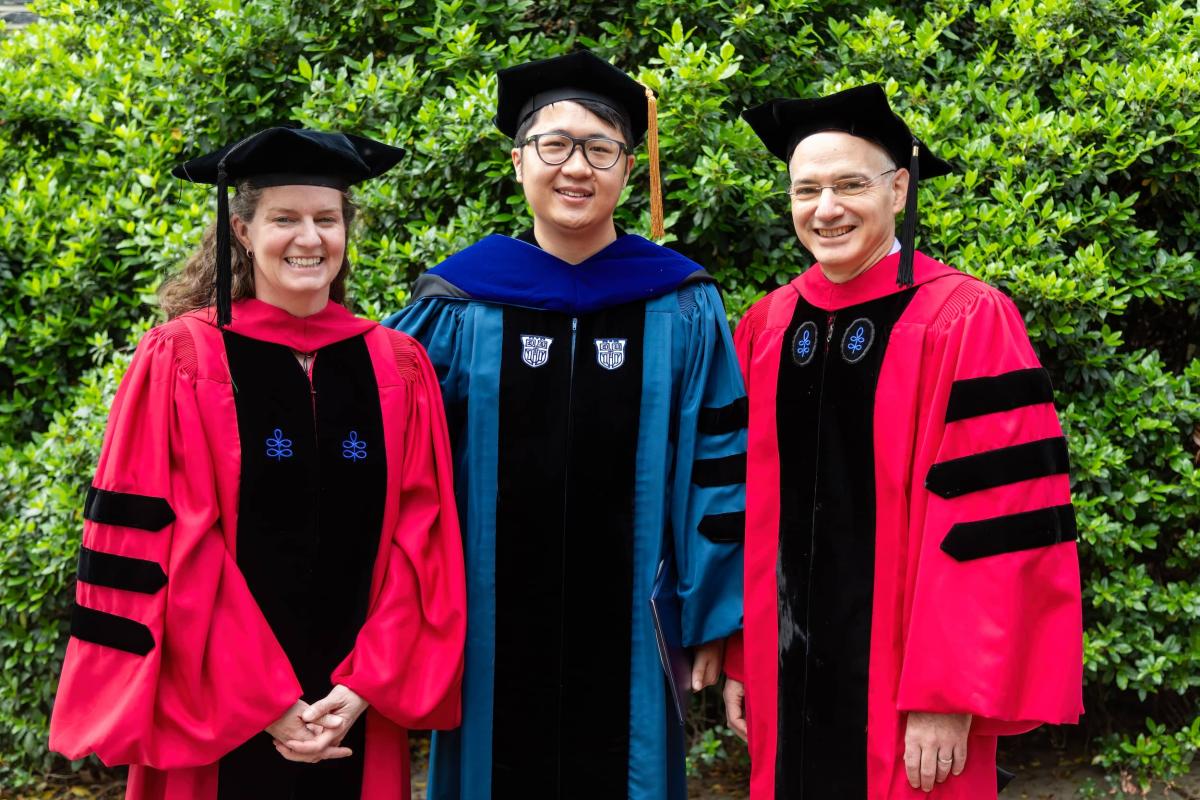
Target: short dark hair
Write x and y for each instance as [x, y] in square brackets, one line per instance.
[607, 114]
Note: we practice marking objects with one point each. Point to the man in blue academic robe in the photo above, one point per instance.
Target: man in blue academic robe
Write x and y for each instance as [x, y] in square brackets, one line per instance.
[598, 421]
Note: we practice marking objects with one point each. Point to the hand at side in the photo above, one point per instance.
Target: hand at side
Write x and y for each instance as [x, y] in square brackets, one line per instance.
[935, 747]
[706, 664]
[734, 695]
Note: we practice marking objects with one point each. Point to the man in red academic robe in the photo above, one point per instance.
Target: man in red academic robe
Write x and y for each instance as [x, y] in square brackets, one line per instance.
[912, 582]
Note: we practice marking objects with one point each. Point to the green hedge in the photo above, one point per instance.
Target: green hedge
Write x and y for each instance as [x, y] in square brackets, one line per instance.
[1076, 124]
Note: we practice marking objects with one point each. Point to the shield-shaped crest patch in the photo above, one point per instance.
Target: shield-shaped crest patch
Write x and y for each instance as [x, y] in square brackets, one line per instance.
[610, 353]
[535, 350]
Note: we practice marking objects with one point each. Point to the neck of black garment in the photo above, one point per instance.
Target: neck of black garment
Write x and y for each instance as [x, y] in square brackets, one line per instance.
[527, 236]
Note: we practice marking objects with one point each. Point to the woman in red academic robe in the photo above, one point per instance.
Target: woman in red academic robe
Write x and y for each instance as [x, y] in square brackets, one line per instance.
[271, 582]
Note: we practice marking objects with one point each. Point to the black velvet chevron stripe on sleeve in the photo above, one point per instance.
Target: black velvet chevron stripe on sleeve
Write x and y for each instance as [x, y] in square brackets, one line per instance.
[725, 419]
[719, 471]
[993, 468]
[1010, 533]
[724, 528]
[974, 397]
[127, 510]
[109, 630]
[120, 572]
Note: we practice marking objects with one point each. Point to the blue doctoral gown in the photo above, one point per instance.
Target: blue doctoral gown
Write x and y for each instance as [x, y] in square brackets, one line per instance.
[598, 420]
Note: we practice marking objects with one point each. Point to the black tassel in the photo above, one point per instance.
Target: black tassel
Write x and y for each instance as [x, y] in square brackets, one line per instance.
[224, 268]
[908, 234]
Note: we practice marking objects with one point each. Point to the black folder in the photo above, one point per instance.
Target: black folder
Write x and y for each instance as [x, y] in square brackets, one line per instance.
[668, 630]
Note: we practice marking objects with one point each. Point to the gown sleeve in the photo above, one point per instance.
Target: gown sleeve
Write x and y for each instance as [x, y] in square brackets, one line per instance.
[995, 627]
[708, 503]
[407, 660]
[170, 662]
[743, 345]
[437, 325]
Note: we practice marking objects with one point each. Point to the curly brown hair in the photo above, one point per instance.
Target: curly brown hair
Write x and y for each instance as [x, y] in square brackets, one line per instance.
[194, 287]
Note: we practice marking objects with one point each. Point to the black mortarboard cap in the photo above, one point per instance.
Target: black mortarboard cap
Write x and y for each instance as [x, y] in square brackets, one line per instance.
[278, 157]
[864, 112]
[525, 88]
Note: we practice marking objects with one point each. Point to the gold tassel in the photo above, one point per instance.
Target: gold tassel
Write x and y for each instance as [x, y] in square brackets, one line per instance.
[656, 201]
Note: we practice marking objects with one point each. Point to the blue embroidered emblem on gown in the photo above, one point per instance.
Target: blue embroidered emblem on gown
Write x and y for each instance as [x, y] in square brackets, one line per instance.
[278, 447]
[354, 448]
[857, 340]
[804, 343]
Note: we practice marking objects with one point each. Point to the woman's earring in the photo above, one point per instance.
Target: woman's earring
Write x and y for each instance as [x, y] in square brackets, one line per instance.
[250, 254]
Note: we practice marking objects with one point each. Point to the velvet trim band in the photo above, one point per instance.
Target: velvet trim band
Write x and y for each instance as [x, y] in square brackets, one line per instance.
[726, 419]
[109, 630]
[724, 528]
[120, 572]
[719, 471]
[127, 510]
[974, 397]
[999, 467]
[564, 569]
[266, 180]
[1011, 533]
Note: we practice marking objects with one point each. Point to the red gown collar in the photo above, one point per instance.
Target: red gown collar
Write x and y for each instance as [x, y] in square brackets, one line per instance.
[876, 282]
[263, 321]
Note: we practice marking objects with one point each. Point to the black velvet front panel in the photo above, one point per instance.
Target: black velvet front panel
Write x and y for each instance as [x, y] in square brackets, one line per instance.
[313, 482]
[530, 503]
[826, 563]
[564, 543]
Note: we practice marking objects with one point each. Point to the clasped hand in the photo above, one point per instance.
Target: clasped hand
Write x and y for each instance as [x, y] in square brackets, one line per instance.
[312, 733]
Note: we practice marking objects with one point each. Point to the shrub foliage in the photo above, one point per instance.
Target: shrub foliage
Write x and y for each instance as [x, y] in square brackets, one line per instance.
[1075, 125]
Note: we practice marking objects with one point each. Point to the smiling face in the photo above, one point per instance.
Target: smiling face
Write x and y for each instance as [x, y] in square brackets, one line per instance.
[847, 235]
[298, 240]
[574, 196]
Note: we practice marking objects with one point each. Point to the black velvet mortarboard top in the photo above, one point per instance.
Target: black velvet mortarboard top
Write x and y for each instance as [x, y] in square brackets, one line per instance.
[289, 156]
[282, 156]
[523, 89]
[862, 111]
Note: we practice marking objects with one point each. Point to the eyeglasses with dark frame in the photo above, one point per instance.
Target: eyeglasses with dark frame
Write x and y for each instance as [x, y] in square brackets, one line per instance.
[806, 192]
[557, 148]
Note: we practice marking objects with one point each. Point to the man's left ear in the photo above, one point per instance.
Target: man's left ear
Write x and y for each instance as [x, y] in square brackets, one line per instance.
[629, 162]
[900, 187]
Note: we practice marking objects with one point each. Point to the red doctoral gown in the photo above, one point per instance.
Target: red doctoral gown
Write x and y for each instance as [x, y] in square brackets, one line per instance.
[910, 543]
[254, 535]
